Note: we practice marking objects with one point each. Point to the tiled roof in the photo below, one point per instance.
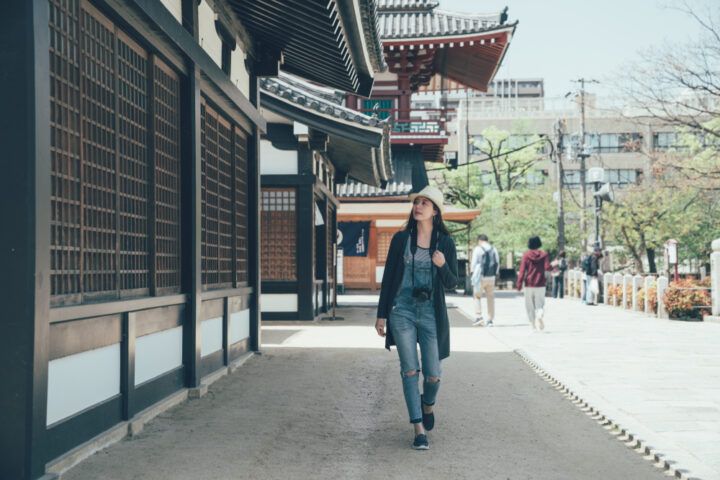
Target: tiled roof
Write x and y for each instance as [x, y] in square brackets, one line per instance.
[353, 189]
[369, 13]
[398, 24]
[406, 4]
[323, 100]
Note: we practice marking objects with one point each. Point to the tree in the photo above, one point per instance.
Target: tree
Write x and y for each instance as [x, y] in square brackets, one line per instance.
[506, 158]
[511, 155]
[645, 216]
[509, 218]
[680, 86]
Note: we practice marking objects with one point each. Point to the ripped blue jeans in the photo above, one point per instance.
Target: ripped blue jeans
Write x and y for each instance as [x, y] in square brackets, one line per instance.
[413, 322]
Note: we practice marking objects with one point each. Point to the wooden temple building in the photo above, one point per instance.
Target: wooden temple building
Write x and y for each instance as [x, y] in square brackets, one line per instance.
[312, 143]
[132, 199]
[426, 49]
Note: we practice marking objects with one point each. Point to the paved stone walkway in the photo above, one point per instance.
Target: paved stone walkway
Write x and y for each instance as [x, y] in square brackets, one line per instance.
[324, 401]
[659, 379]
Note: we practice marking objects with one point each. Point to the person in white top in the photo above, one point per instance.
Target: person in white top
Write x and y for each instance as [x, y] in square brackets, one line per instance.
[485, 265]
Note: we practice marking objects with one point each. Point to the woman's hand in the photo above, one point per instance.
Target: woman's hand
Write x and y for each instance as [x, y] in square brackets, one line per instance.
[438, 258]
[380, 326]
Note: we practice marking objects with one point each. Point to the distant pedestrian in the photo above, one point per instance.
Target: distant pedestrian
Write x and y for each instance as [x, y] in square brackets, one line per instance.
[533, 266]
[421, 264]
[585, 268]
[559, 265]
[485, 265]
[593, 273]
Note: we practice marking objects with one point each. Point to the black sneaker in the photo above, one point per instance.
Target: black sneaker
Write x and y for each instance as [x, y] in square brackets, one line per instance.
[428, 419]
[420, 442]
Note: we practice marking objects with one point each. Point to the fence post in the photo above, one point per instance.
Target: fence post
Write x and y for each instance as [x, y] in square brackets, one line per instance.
[617, 280]
[572, 277]
[626, 282]
[662, 285]
[607, 279]
[649, 282]
[715, 281]
[637, 283]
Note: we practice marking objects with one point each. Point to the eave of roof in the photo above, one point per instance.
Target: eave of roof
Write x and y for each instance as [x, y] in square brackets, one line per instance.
[402, 25]
[359, 145]
[305, 106]
[332, 42]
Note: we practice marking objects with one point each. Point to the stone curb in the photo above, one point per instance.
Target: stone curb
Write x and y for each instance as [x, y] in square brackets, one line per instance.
[630, 440]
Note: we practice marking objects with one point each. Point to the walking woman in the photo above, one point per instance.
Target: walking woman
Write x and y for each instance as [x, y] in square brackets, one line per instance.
[421, 264]
[533, 266]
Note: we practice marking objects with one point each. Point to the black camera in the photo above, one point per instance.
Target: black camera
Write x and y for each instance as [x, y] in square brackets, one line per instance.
[423, 294]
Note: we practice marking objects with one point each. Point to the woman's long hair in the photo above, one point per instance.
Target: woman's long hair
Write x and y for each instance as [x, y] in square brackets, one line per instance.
[438, 223]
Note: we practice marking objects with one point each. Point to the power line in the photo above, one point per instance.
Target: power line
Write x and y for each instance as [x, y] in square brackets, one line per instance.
[492, 157]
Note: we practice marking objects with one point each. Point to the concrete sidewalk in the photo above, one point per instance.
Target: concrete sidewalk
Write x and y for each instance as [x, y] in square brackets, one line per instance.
[659, 379]
[325, 401]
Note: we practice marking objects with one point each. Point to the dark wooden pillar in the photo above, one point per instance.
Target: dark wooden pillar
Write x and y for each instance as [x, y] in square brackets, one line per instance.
[305, 233]
[192, 226]
[25, 236]
[253, 195]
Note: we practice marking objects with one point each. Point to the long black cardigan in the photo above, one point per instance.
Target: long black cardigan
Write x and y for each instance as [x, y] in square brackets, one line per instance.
[392, 279]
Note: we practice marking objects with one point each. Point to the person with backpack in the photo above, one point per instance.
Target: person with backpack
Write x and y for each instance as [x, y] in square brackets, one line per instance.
[559, 265]
[485, 265]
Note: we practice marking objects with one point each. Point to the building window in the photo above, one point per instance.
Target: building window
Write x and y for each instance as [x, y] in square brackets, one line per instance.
[614, 142]
[621, 178]
[666, 141]
[279, 233]
[109, 97]
[224, 201]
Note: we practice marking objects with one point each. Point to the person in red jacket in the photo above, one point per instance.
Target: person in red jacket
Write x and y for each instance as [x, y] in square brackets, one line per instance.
[533, 266]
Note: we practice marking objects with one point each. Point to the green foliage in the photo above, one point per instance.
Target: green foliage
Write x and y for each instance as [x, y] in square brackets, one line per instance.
[509, 165]
[645, 216]
[454, 184]
[510, 218]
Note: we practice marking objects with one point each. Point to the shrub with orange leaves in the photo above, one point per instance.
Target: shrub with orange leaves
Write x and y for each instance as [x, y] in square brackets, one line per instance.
[687, 298]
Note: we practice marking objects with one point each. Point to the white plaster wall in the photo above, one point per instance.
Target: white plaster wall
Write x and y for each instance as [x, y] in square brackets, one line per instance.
[209, 39]
[238, 72]
[379, 273]
[279, 302]
[210, 336]
[79, 381]
[277, 162]
[157, 353]
[239, 326]
[391, 223]
[175, 7]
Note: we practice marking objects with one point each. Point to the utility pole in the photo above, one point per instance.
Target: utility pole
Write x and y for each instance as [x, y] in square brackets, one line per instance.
[582, 155]
[557, 139]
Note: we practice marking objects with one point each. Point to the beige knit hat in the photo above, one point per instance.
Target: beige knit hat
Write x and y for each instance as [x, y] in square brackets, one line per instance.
[431, 193]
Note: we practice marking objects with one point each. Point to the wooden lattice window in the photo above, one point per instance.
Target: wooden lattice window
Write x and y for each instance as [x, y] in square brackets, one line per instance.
[241, 207]
[133, 165]
[279, 234]
[224, 201]
[167, 177]
[66, 183]
[102, 90]
[383, 245]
